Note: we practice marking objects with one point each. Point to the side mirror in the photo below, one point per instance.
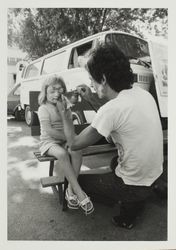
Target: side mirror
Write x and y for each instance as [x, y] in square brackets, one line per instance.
[21, 66]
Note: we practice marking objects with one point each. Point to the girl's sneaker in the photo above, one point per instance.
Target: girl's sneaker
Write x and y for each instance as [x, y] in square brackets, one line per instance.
[86, 205]
[72, 200]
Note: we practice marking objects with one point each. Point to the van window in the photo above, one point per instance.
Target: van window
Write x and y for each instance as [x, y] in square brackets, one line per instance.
[54, 63]
[33, 70]
[78, 55]
[131, 46]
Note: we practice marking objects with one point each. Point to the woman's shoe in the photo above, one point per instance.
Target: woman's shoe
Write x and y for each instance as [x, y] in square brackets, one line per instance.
[72, 200]
[119, 222]
[86, 205]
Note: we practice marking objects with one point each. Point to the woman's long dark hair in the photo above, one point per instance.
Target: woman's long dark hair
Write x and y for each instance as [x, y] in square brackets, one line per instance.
[108, 60]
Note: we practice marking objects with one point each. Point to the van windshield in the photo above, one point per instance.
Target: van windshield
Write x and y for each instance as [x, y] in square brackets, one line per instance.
[131, 46]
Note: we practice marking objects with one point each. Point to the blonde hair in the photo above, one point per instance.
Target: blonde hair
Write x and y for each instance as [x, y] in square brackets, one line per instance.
[50, 81]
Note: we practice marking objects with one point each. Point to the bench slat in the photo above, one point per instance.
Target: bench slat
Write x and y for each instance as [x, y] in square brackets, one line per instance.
[55, 180]
[44, 157]
[51, 181]
[98, 149]
[91, 150]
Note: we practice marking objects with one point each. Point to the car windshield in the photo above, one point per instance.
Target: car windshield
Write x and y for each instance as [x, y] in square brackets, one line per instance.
[131, 46]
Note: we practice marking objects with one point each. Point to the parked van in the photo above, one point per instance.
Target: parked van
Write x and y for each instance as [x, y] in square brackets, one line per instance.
[69, 62]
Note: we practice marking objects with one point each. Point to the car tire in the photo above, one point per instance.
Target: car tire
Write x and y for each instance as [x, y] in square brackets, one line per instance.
[78, 118]
[31, 117]
[28, 115]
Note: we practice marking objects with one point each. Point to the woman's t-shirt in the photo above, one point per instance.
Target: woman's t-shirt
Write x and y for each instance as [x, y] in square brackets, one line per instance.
[132, 120]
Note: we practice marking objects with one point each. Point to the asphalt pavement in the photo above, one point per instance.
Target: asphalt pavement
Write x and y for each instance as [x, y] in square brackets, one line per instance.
[34, 213]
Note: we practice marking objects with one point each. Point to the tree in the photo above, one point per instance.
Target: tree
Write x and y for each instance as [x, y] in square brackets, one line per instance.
[43, 30]
[13, 27]
[50, 29]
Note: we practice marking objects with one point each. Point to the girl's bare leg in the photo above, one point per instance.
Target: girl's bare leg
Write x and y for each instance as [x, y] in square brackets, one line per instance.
[76, 162]
[64, 162]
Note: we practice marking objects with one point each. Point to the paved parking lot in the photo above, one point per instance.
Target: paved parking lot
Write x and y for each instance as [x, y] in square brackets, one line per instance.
[35, 214]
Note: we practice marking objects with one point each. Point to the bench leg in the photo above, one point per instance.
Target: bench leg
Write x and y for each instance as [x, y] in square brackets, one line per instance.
[64, 206]
[51, 168]
[58, 190]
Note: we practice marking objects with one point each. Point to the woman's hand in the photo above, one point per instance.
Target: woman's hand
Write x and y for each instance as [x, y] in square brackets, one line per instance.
[84, 91]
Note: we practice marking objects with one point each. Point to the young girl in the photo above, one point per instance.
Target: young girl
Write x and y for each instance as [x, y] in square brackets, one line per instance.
[53, 141]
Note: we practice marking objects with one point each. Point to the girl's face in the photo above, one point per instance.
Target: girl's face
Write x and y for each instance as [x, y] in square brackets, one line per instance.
[54, 93]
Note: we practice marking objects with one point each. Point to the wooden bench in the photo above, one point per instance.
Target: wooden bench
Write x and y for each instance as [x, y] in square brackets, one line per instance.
[59, 186]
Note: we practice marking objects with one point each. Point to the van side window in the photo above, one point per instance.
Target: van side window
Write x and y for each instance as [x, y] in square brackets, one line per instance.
[33, 70]
[54, 63]
[78, 55]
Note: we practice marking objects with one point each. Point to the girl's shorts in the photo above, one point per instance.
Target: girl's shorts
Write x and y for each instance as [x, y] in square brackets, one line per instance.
[45, 146]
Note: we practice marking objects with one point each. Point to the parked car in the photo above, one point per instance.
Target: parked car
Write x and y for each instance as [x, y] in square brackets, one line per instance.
[13, 103]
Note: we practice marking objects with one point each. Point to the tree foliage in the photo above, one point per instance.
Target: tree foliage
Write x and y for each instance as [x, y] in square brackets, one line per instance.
[43, 30]
[12, 28]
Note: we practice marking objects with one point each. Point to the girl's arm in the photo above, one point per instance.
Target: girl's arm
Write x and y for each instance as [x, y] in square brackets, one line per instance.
[68, 125]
